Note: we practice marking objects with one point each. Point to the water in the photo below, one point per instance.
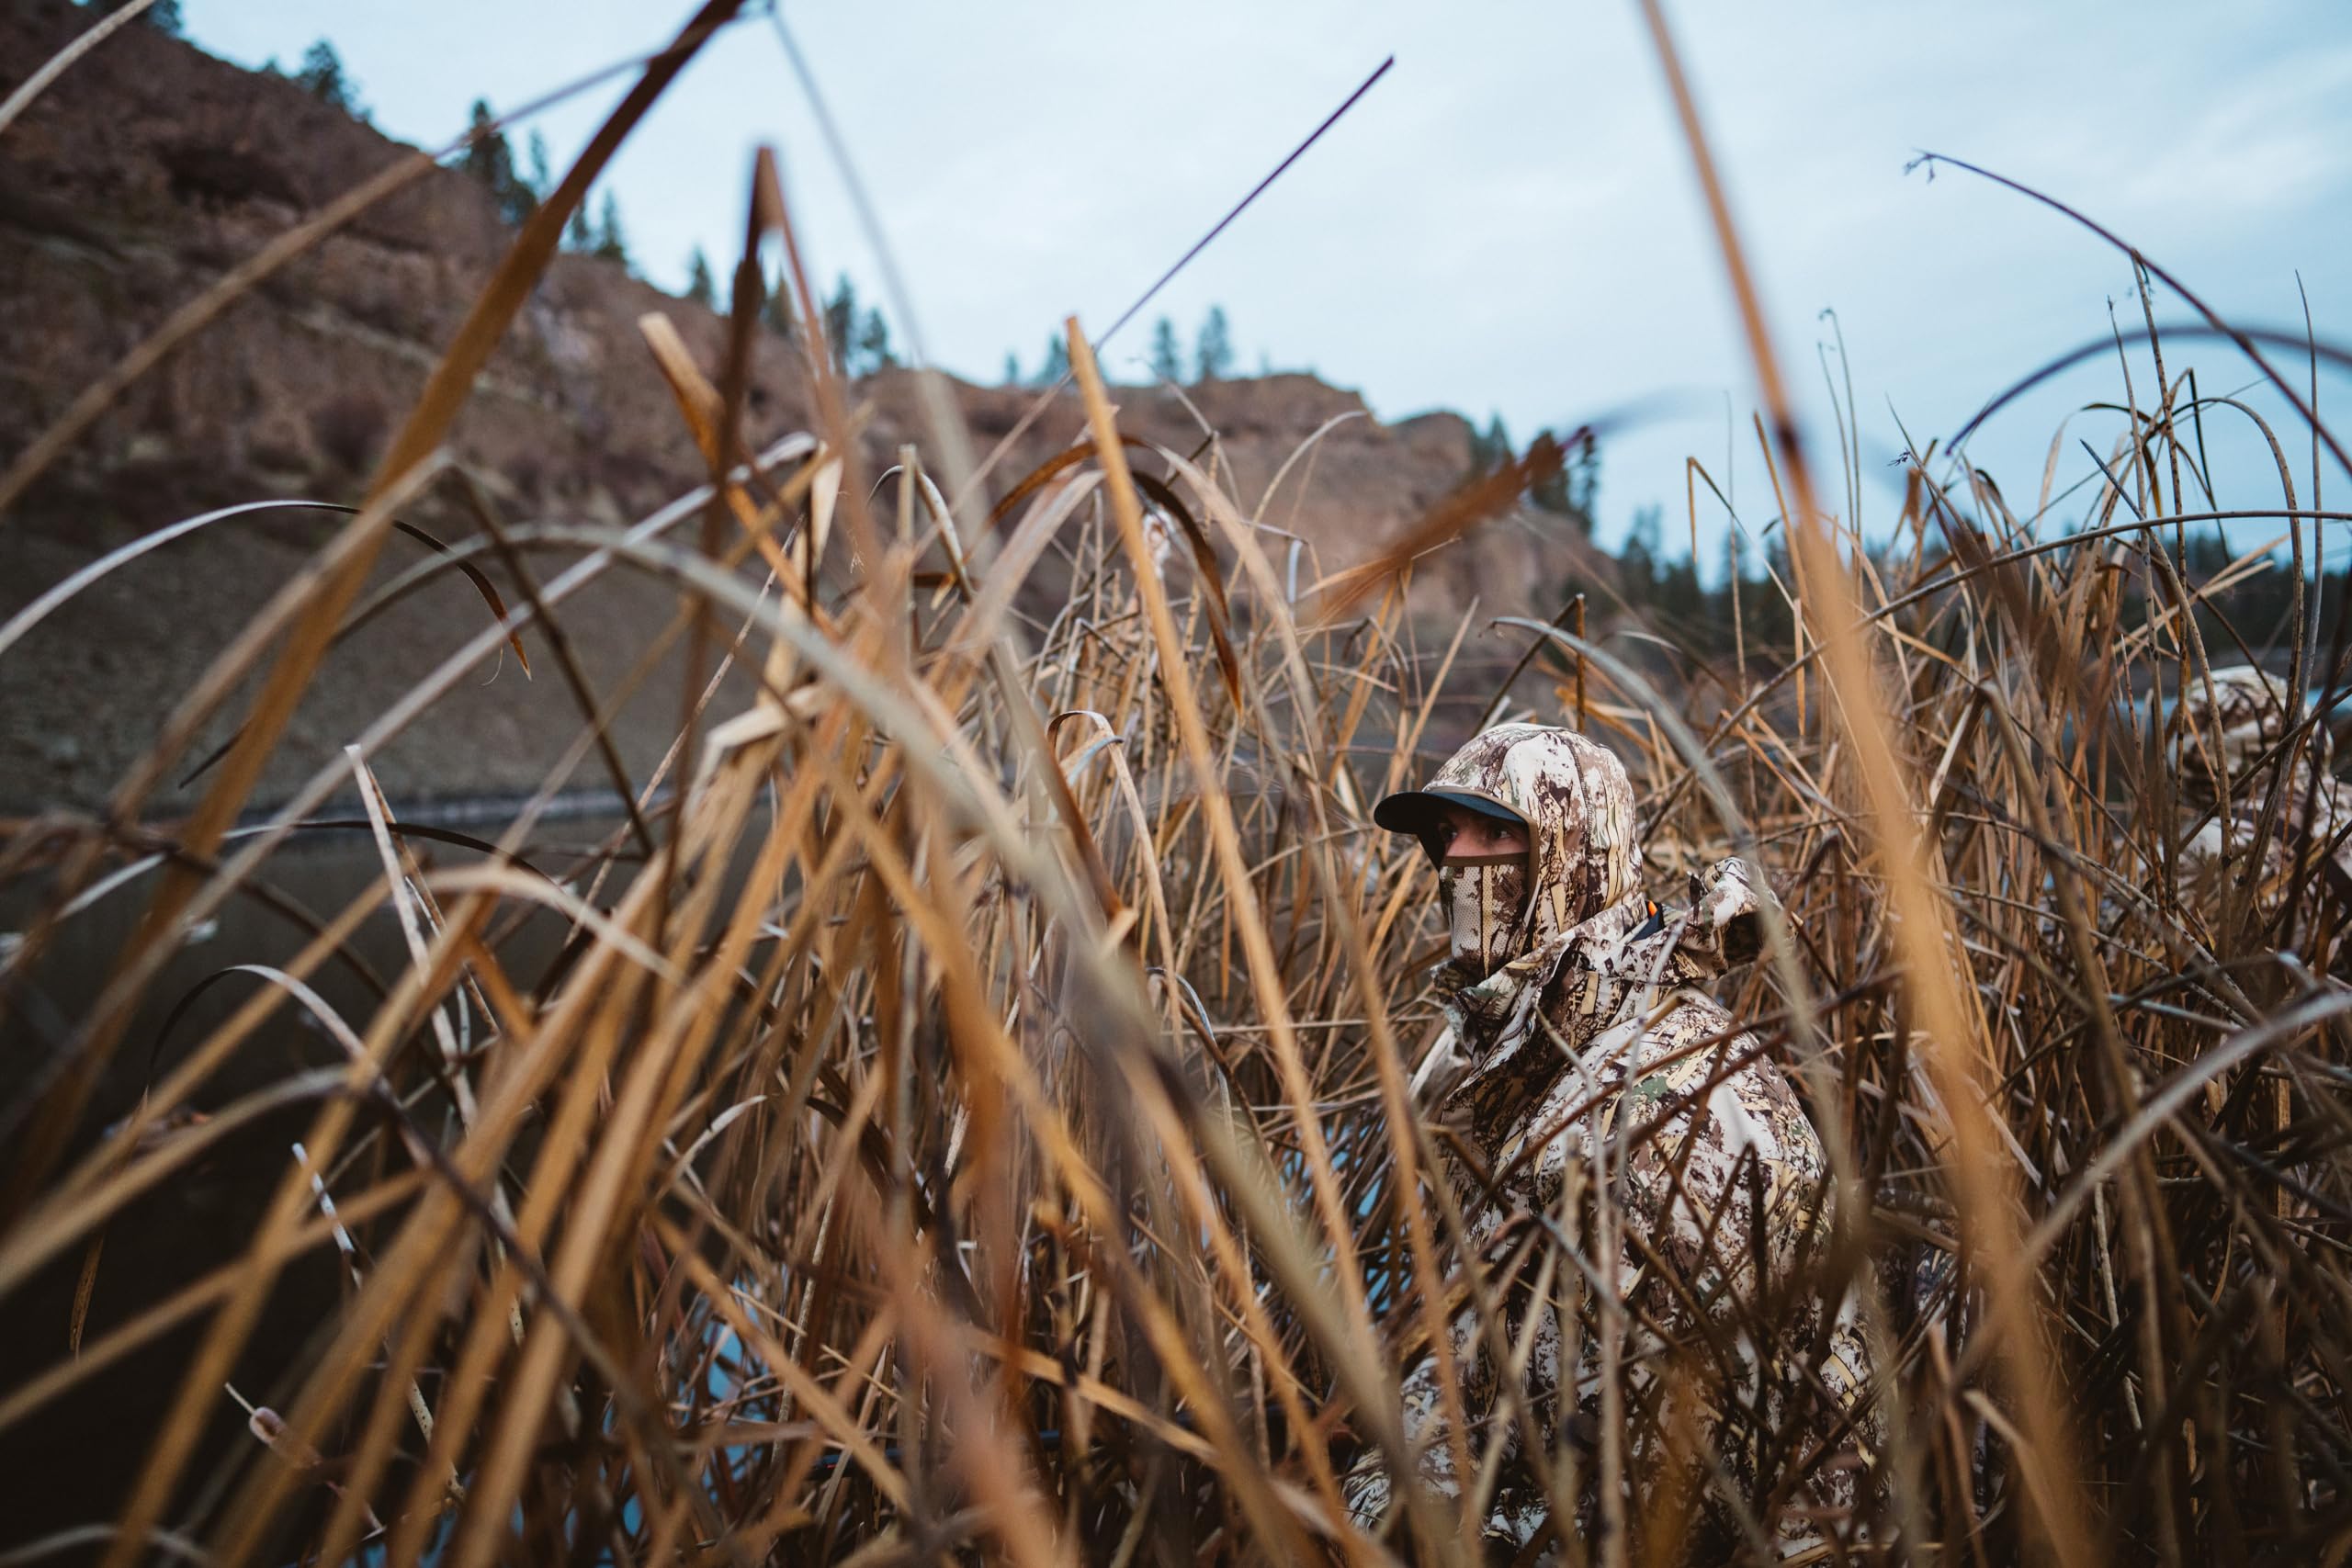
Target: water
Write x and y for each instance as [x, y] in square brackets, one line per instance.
[71, 1463]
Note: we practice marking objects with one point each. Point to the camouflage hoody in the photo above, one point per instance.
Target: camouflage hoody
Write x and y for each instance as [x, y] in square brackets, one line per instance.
[1578, 1057]
[2231, 723]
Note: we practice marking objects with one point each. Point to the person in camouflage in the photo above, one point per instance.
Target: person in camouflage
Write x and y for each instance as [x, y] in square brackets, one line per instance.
[2234, 735]
[1642, 1193]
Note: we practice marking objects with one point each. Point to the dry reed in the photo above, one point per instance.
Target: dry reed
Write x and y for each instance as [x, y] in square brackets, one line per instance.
[968, 1116]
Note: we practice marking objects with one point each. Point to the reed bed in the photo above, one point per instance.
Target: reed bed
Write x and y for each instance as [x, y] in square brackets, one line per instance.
[967, 1117]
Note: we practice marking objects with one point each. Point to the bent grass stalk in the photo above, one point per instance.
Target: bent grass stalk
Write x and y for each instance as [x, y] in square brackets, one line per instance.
[976, 1124]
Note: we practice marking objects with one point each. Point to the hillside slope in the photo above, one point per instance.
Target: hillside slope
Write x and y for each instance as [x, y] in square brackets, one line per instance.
[151, 168]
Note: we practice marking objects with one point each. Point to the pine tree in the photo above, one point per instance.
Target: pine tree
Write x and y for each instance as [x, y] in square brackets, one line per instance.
[1167, 359]
[541, 179]
[1212, 350]
[1638, 563]
[1569, 493]
[612, 241]
[1057, 362]
[1497, 443]
[164, 16]
[578, 234]
[777, 311]
[874, 349]
[700, 286]
[490, 160]
[323, 77]
[1011, 368]
[841, 325]
[1490, 449]
[487, 157]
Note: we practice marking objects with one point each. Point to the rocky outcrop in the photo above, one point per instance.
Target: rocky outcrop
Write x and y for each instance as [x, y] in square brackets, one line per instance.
[151, 169]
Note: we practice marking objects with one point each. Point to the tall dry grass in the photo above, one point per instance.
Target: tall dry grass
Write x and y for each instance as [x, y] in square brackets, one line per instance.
[968, 1116]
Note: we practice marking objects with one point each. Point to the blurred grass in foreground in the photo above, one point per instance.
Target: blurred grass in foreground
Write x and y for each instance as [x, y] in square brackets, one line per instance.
[967, 1117]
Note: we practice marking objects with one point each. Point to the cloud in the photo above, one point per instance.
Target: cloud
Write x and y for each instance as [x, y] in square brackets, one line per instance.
[1508, 220]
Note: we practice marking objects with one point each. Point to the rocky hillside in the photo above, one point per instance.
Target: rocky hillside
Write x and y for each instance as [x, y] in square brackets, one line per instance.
[151, 168]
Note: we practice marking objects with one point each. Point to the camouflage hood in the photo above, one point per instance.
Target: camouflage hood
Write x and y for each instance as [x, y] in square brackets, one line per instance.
[2241, 730]
[2230, 718]
[1589, 942]
[1578, 807]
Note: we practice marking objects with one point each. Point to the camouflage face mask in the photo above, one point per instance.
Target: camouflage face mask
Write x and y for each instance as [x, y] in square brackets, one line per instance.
[1485, 897]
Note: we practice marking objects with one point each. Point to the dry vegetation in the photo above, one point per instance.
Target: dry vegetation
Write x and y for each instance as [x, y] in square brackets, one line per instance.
[968, 1116]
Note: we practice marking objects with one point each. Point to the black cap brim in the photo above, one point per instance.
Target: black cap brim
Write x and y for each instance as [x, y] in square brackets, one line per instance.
[1413, 810]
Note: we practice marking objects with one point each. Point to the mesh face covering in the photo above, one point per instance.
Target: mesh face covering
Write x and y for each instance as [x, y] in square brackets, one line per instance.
[1485, 897]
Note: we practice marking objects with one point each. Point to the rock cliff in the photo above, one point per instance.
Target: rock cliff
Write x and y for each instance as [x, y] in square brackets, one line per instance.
[151, 169]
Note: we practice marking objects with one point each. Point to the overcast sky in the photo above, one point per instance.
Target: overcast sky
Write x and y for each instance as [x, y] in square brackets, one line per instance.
[1507, 222]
